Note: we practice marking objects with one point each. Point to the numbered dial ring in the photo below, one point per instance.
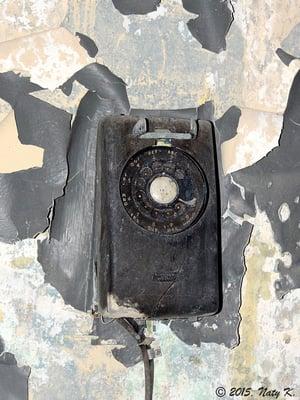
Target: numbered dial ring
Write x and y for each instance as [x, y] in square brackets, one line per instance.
[163, 189]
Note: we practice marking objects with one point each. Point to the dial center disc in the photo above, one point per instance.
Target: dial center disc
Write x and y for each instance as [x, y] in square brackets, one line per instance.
[164, 189]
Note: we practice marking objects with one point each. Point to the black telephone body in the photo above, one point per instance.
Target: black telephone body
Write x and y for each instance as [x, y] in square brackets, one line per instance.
[157, 218]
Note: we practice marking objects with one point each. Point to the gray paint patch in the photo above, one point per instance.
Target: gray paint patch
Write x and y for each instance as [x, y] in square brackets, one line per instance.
[87, 43]
[28, 195]
[13, 85]
[1, 345]
[67, 257]
[227, 125]
[112, 332]
[275, 181]
[291, 43]
[223, 327]
[285, 57]
[213, 23]
[100, 79]
[13, 379]
[128, 7]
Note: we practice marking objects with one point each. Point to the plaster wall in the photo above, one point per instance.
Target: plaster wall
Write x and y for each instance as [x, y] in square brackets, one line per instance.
[164, 67]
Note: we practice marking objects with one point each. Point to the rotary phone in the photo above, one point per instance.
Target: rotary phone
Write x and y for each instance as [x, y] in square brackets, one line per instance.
[157, 222]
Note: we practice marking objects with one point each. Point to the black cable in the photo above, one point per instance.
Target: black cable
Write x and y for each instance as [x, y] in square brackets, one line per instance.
[149, 372]
[137, 333]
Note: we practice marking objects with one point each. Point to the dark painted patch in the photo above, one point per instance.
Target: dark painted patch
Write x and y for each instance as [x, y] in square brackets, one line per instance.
[206, 111]
[275, 180]
[213, 23]
[88, 44]
[13, 379]
[13, 85]
[128, 7]
[291, 43]
[227, 125]
[67, 257]
[223, 327]
[285, 57]
[100, 79]
[1, 345]
[26, 196]
[113, 332]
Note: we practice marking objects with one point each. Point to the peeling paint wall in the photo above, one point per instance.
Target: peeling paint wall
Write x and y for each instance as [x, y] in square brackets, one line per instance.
[234, 62]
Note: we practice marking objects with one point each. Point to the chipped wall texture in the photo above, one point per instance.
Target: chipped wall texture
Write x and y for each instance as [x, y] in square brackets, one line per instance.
[233, 62]
[14, 155]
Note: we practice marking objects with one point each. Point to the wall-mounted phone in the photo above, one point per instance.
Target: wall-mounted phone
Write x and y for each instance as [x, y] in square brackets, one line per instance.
[157, 218]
